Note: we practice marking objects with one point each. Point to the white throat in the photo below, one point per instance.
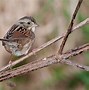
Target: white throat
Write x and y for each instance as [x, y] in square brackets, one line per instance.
[33, 29]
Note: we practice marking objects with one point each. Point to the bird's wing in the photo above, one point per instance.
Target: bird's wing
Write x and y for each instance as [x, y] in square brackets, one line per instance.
[18, 31]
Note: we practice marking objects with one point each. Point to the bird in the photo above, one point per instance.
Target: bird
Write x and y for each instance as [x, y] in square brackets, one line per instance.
[20, 37]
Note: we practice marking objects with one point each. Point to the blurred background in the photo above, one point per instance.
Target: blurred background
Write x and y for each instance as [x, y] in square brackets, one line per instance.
[53, 17]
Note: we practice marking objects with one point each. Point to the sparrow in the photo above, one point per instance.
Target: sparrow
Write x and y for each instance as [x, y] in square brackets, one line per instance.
[20, 37]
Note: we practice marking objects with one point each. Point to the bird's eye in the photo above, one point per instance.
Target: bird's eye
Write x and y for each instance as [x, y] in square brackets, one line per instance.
[28, 23]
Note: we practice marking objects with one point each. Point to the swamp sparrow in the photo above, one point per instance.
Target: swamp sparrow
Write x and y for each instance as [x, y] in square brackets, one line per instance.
[19, 39]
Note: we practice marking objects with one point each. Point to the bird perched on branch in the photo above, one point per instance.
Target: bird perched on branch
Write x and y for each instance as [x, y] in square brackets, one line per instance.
[20, 37]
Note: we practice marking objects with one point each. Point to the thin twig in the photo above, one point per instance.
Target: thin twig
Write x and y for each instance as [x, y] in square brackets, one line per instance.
[70, 27]
[69, 62]
[86, 21]
[76, 51]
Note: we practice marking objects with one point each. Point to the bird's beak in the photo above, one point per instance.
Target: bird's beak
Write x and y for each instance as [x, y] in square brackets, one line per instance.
[36, 25]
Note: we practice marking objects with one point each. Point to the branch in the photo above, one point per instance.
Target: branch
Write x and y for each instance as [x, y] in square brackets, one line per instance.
[38, 65]
[68, 62]
[86, 21]
[76, 51]
[53, 59]
[70, 27]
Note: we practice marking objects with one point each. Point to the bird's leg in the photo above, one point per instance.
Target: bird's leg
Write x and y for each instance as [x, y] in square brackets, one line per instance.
[9, 82]
[32, 50]
[34, 53]
[10, 61]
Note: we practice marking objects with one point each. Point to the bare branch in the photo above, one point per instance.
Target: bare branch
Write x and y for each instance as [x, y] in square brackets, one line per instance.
[86, 21]
[76, 51]
[27, 67]
[38, 65]
[70, 27]
[68, 62]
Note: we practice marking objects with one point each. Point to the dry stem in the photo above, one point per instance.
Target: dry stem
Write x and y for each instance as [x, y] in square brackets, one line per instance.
[70, 27]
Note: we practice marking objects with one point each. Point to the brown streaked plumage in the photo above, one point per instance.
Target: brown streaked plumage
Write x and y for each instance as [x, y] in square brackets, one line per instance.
[23, 32]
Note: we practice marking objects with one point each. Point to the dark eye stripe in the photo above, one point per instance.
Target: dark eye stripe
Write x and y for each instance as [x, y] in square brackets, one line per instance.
[21, 22]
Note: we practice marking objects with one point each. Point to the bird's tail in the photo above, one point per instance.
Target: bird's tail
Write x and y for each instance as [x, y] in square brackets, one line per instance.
[4, 39]
[11, 40]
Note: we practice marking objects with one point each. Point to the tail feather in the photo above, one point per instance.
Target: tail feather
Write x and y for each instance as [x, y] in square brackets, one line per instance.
[10, 40]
